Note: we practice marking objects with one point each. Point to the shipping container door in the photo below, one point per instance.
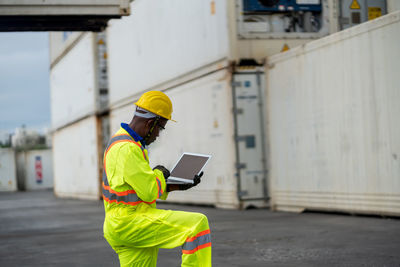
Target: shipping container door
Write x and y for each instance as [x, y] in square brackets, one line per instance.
[249, 135]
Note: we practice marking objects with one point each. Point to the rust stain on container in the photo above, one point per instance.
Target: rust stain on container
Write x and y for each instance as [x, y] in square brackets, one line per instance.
[212, 7]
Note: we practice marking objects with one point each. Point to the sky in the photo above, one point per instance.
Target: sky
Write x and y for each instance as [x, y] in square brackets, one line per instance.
[24, 80]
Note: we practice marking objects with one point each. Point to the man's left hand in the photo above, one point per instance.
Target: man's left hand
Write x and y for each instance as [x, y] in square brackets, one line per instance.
[164, 170]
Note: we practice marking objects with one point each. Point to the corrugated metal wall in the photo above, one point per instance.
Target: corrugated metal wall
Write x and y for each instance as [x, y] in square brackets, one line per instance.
[333, 121]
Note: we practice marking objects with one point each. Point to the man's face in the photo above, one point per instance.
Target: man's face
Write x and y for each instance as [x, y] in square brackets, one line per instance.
[160, 125]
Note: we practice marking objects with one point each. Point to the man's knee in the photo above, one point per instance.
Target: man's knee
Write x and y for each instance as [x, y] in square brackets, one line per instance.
[202, 221]
[204, 218]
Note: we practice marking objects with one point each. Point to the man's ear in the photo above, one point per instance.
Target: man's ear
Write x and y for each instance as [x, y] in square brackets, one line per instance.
[149, 123]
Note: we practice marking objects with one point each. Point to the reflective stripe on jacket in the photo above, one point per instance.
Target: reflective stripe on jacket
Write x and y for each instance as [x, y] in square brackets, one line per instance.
[127, 176]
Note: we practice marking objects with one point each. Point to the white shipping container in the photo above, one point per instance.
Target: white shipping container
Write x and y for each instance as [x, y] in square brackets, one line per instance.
[183, 48]
[61, 43]
[334, 132]
[205, 124]
[35, 169]
[76, 160]
[59, 15]
[8, 177]
[393, 5]
[73, 83]
[163, 40]
[113, 8]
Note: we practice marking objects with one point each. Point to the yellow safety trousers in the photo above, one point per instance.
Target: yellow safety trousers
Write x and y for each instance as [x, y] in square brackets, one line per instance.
[137, 237]
[133, 226]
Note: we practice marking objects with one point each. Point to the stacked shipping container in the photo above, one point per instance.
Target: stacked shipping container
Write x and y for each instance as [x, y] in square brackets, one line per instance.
[189, 50]
[333, 122]
[75, 105]
[34, 169]
[194, 65]
[8, 173]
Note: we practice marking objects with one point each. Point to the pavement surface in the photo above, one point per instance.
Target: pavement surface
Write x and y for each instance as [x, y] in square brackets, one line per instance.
[37, 229]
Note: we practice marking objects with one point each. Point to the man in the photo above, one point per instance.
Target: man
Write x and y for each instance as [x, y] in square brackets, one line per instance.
[133, 226]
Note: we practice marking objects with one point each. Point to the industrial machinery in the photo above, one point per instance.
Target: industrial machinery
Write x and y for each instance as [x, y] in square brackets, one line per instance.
[282, 18]
[354, 12]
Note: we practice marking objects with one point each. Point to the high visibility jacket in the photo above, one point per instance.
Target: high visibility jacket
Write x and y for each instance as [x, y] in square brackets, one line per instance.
[133, 226]
[128, 179]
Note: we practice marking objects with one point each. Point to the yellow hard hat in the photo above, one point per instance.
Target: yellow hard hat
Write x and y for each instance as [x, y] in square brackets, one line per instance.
[156, 102]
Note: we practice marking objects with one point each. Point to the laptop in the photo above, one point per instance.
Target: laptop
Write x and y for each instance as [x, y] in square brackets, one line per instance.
[189, 165]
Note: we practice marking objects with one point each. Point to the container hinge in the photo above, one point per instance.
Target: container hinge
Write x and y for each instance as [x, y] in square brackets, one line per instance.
[241, 165]
[236, 84]
[240, 138]
[250, 140]
[344, 20]
[238, 111]
[258, 79]
[243, 193]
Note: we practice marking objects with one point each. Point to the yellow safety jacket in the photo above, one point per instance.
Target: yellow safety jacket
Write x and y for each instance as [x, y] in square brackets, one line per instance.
[128, 179]
[133, 227]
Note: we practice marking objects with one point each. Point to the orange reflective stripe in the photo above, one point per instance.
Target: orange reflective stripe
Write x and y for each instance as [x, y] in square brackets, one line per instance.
[123, 193]
[190, 239]
[196, 249]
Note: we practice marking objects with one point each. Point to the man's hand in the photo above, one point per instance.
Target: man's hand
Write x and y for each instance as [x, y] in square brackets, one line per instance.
[164, 170]
[183, 187]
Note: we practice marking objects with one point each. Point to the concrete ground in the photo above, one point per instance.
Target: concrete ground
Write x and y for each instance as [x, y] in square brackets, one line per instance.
[37, 229]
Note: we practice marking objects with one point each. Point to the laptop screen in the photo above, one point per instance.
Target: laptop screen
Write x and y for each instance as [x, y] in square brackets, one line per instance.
[188, 166]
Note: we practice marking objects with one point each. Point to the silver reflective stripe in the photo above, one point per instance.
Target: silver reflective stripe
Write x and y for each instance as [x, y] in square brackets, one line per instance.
[201, 240]
[131, 197]
[122, 138]
[105, 180]
[159, 188]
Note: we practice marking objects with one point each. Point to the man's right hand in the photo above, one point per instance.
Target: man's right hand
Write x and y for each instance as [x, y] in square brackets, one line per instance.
[183, 187]
[196, 180]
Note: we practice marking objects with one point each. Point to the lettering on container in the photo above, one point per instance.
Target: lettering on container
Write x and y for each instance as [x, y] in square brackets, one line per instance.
[38, 169]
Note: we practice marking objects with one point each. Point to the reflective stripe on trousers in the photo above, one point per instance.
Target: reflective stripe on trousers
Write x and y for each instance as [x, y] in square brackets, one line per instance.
[193, 244]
